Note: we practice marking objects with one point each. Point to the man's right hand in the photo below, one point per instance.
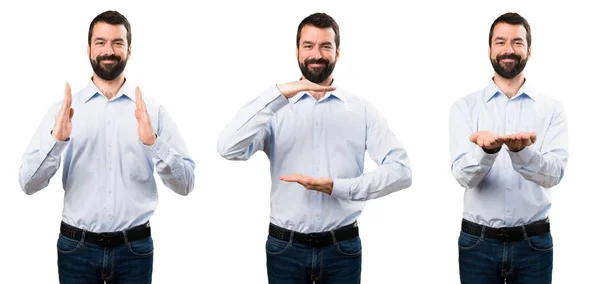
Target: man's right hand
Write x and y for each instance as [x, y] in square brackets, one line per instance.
[487, 140]
[292, 88]
[62, 124]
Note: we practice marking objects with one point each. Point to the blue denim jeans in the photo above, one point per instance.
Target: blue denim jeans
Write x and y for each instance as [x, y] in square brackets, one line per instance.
[483, 260]
[291, 263]
[81, 262]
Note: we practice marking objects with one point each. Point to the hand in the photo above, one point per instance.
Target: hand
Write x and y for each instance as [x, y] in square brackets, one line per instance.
[145, 131]
[323, 184]
[516, 142]
[62, 124]
[487, 140]
[292, 88]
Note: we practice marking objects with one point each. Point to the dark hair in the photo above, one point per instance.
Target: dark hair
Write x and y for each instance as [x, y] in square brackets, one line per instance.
[512, 19]
[319, 20]
[113, 18]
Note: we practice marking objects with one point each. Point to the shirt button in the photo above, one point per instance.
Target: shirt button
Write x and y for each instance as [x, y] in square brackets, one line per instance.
[508, 188]
[317, 215]
[316, 145]
[110, 168]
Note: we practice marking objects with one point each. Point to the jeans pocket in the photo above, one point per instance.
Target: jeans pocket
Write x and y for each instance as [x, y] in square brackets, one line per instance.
[276, 246]
[541, 243]
[143, 247]
[67, 245]
[351, 247]
[468, 241]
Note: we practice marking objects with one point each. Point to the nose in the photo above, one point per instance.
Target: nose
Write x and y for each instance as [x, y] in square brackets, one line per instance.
[316, 54]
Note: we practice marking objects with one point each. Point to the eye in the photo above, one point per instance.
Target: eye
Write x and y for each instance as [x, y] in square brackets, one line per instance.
[119, 43]
[519, 43]
[99, 43]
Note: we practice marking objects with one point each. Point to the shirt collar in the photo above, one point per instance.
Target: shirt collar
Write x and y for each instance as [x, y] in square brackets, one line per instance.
[492, 91]
[337, 93]
[91, 90]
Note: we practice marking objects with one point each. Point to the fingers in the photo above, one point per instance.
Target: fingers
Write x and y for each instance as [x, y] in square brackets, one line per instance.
[533, 137]
[299, 178]
[474, 137]
[66, 105]
[68, 97]
[319, 88]
[138, 98]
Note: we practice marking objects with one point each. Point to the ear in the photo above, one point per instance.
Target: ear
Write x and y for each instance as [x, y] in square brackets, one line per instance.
[128, 52]
[89, 50]
[528, 52]
[297, 52]
[337, 54]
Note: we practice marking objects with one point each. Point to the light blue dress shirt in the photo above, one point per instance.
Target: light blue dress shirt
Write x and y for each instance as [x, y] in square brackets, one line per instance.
[508, 188]
[108, 173]
[325, 138]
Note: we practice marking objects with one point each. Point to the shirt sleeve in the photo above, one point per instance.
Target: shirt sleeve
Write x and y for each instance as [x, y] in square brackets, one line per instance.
[470, 164]
[393, 172]
[42, 157]
[249, 131]
[545, 167]
[169, 153]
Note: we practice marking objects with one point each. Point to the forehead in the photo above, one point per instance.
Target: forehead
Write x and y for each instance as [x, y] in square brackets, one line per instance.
[109, 31]
[317, 35]
[508, 31]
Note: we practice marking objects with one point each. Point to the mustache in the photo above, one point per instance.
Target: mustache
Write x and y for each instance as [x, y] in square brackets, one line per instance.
[316, 61]
[108, 57]
[508, 56]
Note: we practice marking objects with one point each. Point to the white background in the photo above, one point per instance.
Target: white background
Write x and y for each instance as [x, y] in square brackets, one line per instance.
[204, 62]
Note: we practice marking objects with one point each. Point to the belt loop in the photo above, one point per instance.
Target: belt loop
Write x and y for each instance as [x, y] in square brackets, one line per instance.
[82, 240]
[125, 237]
[291, 241]
[332, 232]
[524, 232]
[482, 237]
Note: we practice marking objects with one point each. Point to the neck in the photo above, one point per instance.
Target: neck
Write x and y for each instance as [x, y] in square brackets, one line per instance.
[320, 95]
[509, 87]
[109, 87]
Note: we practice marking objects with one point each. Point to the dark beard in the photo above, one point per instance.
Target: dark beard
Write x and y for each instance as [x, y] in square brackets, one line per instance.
[318, 76]
[510, 70]
[109, 71]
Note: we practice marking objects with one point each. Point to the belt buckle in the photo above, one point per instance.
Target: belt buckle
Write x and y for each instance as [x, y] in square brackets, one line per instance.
[105, 239]
[502, 235]
[313, 239]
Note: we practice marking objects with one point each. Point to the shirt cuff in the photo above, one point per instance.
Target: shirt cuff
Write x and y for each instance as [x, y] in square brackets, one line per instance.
[158, 150]
[482, 157]
[54, 147]
[273, 99]
[341, 188]
[522, 157]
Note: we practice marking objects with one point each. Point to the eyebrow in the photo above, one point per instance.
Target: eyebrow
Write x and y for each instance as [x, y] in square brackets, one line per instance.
[312, 43]
[504, 39]
[104, 39]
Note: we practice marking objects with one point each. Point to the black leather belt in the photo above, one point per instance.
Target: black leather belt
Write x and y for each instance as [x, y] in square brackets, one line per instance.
[321, 239]
[507, 234]
[110, 239]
